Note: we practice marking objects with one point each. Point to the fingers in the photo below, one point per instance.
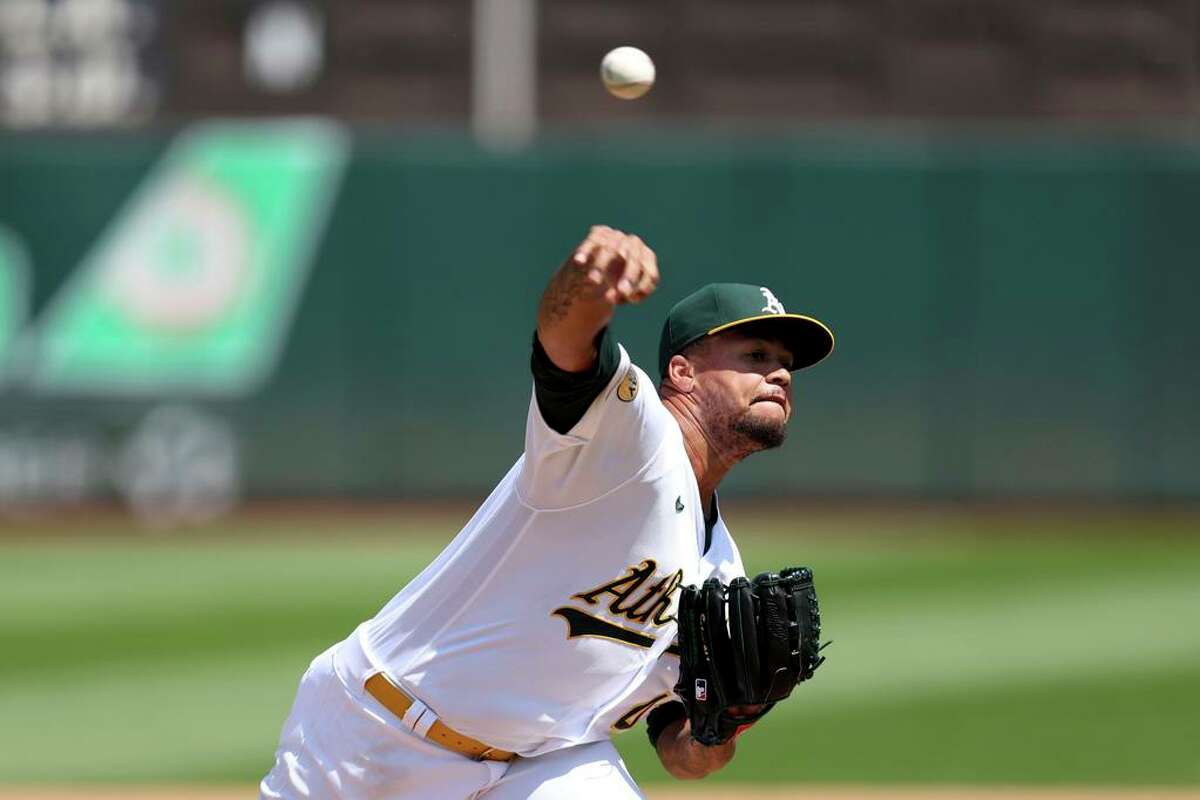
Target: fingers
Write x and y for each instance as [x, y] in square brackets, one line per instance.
[612, 265]
[598, 237]
[648, 281]
[640, 277]
[621, 264]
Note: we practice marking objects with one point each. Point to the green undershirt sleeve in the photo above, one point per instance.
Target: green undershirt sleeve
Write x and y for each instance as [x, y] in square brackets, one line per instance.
[662, 716]
[564, 397]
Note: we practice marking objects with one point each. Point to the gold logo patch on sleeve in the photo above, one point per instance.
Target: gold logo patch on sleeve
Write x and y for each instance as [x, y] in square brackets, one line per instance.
[627, 389]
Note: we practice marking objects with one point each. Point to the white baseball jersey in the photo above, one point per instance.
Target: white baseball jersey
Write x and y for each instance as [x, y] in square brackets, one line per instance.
[546, 622]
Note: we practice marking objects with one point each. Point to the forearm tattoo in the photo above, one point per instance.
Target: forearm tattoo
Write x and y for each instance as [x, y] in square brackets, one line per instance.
[568, 285]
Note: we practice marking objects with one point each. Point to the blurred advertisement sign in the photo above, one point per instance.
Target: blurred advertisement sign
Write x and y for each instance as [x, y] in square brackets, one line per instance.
[187, 296]
[176, 465]
[191, 289]
[179, 466]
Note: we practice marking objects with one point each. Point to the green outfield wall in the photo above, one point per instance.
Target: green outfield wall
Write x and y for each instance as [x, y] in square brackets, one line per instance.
[1012, 317]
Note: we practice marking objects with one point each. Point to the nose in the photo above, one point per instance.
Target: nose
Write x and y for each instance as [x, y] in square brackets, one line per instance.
[780, 376]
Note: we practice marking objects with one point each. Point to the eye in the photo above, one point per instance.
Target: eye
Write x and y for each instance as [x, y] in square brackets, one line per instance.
[758, 355]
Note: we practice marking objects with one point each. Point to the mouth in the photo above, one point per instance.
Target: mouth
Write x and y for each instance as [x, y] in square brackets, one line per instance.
[779, 401]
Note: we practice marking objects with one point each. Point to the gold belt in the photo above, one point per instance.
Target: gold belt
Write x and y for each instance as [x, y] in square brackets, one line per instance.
[397, 701]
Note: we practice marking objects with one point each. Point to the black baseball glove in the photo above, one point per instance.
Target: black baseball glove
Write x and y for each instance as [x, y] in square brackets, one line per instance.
[746, 644]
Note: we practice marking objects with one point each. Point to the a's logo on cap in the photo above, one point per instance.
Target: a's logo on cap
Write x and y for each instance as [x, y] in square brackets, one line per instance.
[773, 305]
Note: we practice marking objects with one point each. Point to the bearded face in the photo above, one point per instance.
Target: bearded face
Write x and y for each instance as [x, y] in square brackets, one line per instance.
[744, 385]
[765, 433]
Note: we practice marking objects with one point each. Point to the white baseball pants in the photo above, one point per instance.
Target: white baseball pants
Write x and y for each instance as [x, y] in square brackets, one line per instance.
[339, 743]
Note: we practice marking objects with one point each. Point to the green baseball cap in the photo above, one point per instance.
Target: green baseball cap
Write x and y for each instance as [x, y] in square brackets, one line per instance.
[721, 306]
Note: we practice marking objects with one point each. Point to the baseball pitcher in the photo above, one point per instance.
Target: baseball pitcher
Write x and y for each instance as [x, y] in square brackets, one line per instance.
[597, 587]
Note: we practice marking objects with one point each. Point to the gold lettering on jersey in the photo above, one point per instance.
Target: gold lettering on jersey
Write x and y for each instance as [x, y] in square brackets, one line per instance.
[659, 599]
[581, 623]
[637, 594]
[631, 717]
[634, 600]
[627, 389]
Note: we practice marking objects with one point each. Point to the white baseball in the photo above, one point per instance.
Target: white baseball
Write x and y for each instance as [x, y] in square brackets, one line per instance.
[627, 72]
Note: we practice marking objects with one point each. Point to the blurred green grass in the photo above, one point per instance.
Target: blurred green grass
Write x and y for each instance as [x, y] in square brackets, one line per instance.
[1008, 649]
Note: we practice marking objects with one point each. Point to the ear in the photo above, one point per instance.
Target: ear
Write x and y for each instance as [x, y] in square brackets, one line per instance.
[682, 374]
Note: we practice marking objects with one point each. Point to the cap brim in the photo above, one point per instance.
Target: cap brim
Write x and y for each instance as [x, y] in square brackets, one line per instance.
[810, 340]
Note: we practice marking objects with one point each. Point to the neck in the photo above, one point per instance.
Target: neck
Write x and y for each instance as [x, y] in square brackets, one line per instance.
[710, 460]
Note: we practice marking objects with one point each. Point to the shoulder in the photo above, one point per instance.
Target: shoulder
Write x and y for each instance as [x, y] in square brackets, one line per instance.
[618, 435]
[628, 395]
